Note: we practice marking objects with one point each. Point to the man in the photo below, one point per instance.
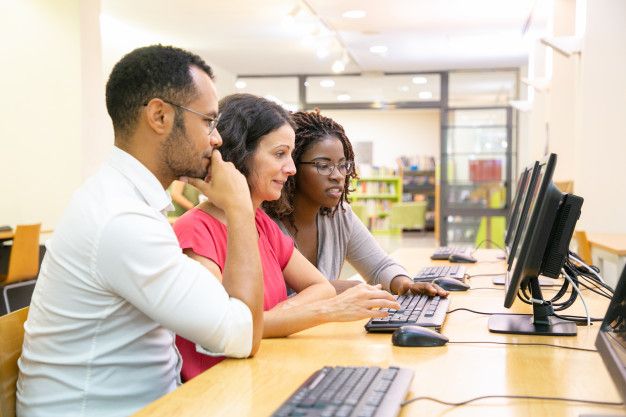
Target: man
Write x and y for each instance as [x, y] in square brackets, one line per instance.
[114, 285]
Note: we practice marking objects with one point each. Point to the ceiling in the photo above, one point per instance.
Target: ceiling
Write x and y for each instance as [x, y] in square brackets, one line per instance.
[266, 37]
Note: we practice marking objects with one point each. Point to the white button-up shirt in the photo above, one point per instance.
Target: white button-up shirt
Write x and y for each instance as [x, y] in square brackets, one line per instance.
[113, 289]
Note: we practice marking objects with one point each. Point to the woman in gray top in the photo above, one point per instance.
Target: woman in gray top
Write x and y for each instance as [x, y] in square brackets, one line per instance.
[314, 210]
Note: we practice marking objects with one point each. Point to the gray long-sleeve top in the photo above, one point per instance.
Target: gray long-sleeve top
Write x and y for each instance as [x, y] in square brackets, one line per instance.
[343, 237]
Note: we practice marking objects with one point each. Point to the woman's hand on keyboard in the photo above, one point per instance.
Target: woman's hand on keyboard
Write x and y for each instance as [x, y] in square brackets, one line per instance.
[402, 284]
[359, 302]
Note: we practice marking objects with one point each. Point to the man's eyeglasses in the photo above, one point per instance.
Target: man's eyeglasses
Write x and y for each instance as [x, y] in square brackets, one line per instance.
[327, 168]
[210, 120]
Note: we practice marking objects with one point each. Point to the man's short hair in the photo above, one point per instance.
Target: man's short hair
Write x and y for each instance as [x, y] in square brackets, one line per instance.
[150, 72]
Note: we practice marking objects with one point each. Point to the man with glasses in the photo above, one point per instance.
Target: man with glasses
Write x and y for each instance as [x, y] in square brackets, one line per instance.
[114, 285]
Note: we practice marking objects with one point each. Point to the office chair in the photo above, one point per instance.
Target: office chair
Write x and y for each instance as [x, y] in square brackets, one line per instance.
[12, 331]
[23, 260]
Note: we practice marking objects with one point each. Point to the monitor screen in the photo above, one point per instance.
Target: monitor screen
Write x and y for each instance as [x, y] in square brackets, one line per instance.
[544, 230]
[518, 217]
[611, 340]
[532, 241]
[515, 205]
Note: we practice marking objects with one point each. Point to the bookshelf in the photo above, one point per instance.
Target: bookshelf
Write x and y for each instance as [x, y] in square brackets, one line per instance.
[377, 195]
[419, 185]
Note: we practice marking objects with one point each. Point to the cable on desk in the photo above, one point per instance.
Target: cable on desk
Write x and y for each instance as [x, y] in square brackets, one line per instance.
[486, 288]
[468, 276]
[488, 241]
[563, 317]
[522, 344]
[516, 397]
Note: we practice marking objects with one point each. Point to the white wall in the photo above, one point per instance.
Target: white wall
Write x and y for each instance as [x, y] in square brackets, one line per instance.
[600, 175]
[40, 133]
[55, 130]
[393, 132]
[584, 113]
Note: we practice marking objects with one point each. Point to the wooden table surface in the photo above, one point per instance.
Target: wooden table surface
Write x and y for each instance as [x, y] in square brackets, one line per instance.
[454, 372]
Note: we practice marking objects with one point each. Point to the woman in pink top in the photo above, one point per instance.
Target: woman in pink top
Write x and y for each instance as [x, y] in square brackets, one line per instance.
[258, 138]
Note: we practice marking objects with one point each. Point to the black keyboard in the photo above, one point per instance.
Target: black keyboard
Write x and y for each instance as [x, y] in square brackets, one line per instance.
[414, 309]
[430, 273]
[444, 252]
[364, 391]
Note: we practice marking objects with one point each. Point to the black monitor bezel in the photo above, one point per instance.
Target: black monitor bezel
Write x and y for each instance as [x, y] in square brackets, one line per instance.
[523, 213]
[515, 206]
[527, 258]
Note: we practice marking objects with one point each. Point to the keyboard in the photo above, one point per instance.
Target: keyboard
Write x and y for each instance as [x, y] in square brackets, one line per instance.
[363, 391]
[419, 309]
[429, 273]
[444, 252]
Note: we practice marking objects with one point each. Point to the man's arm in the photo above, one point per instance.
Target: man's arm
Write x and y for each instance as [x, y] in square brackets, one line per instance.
[228, 189]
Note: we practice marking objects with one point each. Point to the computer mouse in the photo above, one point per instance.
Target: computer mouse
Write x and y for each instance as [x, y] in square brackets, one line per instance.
[460, 258]
[417, 336]
[451, 284]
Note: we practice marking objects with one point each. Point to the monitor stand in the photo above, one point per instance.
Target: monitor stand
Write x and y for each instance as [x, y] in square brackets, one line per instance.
[544, 282]
[542, 322]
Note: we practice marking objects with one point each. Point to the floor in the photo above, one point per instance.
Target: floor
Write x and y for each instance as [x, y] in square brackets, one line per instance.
[389, 243]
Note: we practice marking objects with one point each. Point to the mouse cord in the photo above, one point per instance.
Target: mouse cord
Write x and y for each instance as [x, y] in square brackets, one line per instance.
[519, 397]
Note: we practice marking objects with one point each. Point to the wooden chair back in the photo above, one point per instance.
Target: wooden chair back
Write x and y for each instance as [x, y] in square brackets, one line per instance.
[12, 331]
[584, 248]
[24, 258]
[565, 186]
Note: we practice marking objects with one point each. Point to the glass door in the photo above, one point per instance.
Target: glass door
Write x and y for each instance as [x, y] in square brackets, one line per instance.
[476, 170]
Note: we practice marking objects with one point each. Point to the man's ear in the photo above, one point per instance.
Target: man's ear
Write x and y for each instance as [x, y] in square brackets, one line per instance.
[159, 116]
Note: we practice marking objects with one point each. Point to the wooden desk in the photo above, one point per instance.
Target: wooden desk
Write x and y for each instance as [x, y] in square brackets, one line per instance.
[257, 386]
[608, 252]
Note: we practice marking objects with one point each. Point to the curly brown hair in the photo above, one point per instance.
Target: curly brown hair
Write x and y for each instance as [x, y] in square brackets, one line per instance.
[311, 128]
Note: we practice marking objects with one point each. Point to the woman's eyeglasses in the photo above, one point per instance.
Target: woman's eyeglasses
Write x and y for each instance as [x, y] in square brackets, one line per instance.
[327, 168]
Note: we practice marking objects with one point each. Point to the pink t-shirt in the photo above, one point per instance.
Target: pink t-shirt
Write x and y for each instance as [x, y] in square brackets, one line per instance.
[207, 236]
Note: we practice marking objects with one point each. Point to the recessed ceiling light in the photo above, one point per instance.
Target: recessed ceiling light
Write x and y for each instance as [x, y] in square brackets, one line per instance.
[327, 83]
[425, 95]
[240, 84]
[404, 88]
[354, 14]
[419, 80]
[322, 52]
[378, 49]
[343, 97]
[338, 66]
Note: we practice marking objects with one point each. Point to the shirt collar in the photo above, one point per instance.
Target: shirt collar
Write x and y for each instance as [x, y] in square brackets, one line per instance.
[142, 178]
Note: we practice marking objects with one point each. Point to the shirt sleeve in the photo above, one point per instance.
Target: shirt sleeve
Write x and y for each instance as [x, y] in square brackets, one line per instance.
[282, 244]
[138, 258]
[366, 255]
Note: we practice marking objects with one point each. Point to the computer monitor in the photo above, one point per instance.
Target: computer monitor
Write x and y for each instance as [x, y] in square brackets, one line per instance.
[520, 208]
[611, 340]
[544, 236]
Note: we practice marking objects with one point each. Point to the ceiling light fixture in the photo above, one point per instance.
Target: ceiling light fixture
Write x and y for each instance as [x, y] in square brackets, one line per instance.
[343, 97]
[327, 83]
[354, 14]
[329, 41]
[419, 80]
[338, 66]
[425, 95]
[378, 49]
[240, 84]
